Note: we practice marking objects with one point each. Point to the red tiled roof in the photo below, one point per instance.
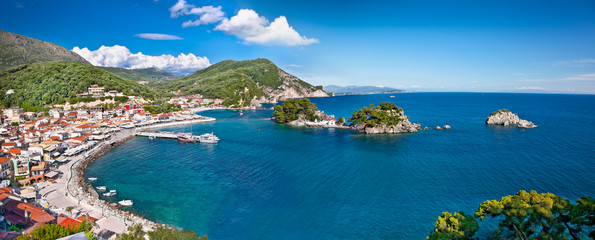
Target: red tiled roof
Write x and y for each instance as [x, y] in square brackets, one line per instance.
[15, 151]
[70, 223]
[8, 144]
[3, 160]
[82, 218]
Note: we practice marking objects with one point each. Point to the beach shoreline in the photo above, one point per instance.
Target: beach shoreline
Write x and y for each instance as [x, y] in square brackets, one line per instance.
[72, 191]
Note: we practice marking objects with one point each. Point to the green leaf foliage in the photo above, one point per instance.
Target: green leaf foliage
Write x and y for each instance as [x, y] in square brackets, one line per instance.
[385, 113]
[55, 231]
[135, 232]
[295, 109]
[41, 84]
[458, 226]
[532, 215]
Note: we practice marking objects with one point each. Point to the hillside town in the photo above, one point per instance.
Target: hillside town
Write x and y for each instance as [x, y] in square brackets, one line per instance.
[40, 155]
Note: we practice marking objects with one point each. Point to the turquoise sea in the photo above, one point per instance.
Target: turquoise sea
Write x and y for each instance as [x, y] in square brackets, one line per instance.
[268, 181]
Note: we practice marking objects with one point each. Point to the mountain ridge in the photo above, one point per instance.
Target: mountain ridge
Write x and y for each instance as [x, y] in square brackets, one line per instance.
[16, 49]
[247, 83]
[361, 90]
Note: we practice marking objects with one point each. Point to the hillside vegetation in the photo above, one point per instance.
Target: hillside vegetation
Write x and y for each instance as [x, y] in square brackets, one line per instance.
[40, 84]
[17, 49]
[240, 83]
[153, 76]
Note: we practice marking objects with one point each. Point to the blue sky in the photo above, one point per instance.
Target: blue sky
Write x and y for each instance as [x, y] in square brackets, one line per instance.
[495, 46]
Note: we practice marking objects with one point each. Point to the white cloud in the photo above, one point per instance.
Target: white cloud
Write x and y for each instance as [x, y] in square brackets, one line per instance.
[252, 28]
[529, 88]
[120, 56]
[158, 36]
[581, 77]
[206, 14]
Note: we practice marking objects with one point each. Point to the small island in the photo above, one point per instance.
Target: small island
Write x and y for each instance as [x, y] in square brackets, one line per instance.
[504, 117]
[302, 112]
[384, 118]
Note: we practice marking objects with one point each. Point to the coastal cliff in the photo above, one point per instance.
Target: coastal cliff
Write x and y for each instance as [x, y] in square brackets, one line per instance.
[384, 118]
[505, 118]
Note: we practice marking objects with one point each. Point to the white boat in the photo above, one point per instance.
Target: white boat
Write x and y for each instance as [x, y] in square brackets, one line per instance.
[111, 193]
[241, 113]
[392, 96]
[208, 138]
[126, 203]
[152, 137]
[92, 179]
[101, 188]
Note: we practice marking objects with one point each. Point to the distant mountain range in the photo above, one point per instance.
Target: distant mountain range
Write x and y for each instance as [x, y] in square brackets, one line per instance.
[360, 90]
[152, 76]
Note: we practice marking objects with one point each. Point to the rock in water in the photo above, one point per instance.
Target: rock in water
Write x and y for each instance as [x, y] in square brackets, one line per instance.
[504, 117]
[426, 128]
[526, 124]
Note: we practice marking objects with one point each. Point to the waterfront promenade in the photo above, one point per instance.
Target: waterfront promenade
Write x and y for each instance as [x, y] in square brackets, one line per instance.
[68, 190]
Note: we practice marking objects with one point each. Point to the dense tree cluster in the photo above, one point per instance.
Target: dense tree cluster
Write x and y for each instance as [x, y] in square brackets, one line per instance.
[295, 109]
[135, 232]
[526, 215]
[55, 231]
[385, 113]
[39, 84]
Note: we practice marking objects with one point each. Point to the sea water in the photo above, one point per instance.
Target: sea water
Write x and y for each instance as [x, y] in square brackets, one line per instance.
[269, 181]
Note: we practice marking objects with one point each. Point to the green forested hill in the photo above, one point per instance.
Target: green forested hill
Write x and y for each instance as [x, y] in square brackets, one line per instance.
[17, 49]
[239, 82]
[153, 76]
[40, 84]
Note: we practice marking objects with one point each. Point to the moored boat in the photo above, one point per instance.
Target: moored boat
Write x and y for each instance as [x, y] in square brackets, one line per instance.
[101, 188]
[111, 193]
[92, 179]
[186, 137]
[126, 203]
[208, 138]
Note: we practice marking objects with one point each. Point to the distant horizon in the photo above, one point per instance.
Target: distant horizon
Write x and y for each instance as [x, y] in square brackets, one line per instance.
[528, 46]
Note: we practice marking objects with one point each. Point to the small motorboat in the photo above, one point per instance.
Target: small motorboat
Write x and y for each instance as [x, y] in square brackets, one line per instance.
[92, 179]
[101, 188]
[208, 138]
[152, 137]
[111, 193]
[126, 203]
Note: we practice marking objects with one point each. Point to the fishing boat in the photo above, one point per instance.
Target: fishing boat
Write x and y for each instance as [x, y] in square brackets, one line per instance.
[241, 113]
[101, 188]
[208, 138]
[126, 203]
[111, 193]
[186, 137]
[92, 179]
[152, 137]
